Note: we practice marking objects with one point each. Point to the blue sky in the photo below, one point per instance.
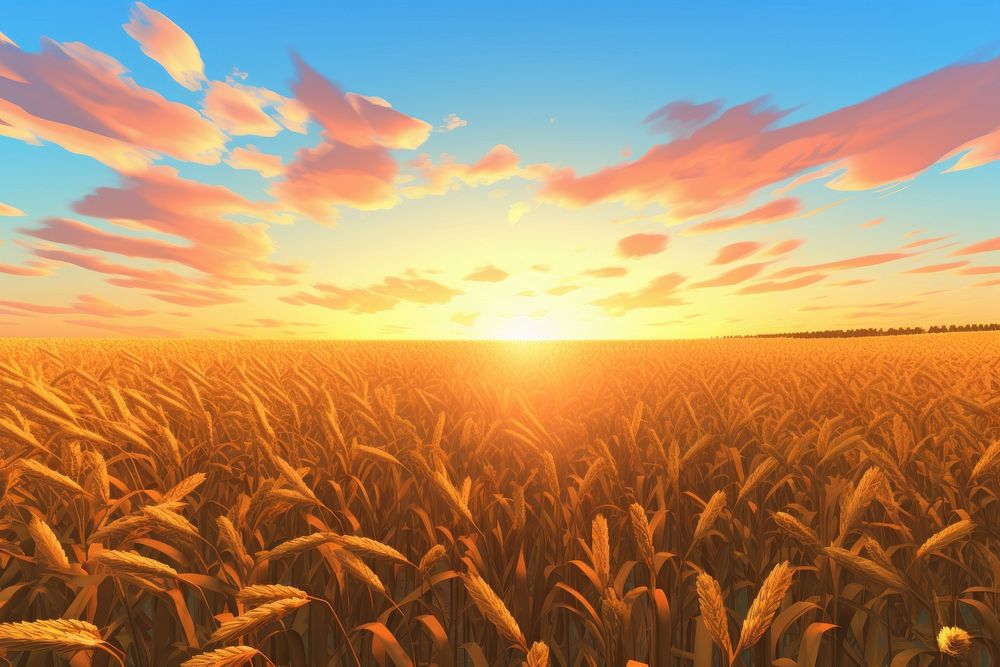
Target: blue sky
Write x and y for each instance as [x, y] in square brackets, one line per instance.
[562, 85]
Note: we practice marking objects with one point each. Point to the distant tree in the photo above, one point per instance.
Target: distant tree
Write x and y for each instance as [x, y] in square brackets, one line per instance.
[871, 331]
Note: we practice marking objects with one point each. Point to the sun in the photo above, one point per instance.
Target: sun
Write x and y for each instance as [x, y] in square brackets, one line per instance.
[524, 327]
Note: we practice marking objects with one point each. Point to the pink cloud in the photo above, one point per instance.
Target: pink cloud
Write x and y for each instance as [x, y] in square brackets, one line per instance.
[499, 163]
[605, 272]
[988, 283]
[27, 269]
[165, 42]
[775, 211]
[85, 304]
[6, 210]
[81, 99]
[236, 111]
[988, 245]
[852, 283]
[888, 138]
[560, 290]
[733, 276]
[252, 159]
[327, 175]
[784, 247]
[352, 164]
[660, 292]
[736, 251]
[980, 270]
[875, 222]
[356, 120]
[923, 242]
[386, 295]
[127, 330]
[844, 264]
[641, 245]
[159, 200]
[867, 314]
[936, 268]
[779, 285]
[488, 274]
[681, 118]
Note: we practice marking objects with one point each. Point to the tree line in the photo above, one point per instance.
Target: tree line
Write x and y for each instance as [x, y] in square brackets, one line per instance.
[870, 331]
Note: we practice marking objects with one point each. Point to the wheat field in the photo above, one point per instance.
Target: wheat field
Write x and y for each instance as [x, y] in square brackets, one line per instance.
[746, 502]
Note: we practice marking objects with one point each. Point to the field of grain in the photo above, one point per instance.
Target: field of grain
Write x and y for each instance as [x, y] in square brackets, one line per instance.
[748, 502]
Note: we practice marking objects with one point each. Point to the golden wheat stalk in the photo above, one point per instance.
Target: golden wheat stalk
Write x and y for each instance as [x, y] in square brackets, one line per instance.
[452, 495]
[166, 517]
[97, 481]
[520, 508]
[765, 605]
[50, 635]
[40, 472]
[258, 594]
[552, 478]
[987, 460]
[674, 464]
[600, 548]
[713, 611]
[181, 489]
[594, 472]
[538, 655]
[877, 553]
[860, 499]
[20, 433]
[796, 529]
[866, 568]
[954, 641]
[254, 619]
[713, 508]
[433, 555]
[493, 609]
[232, 541]
[300, 544]
[957, 531]
[48, 550]
[642, 532]
[121, 527]
[129, 562]
[364, 546]
[756, 476]
[72, 458]
[231, 656]
[362, 572]
[614, 613]
[292, 476]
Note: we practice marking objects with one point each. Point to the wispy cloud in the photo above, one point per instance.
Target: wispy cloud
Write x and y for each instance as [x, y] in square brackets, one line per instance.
[488, 274]
[386, 295]
[165, 42]
[733, 276]
[660, 292]
[888, 138]
[452, 122]
[642, 245]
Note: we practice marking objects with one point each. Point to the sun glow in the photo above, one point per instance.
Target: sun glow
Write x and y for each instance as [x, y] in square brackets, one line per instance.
[524, 327]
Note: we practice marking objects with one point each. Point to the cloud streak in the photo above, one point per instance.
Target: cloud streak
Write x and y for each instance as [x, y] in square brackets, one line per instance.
[165, 42]
[82, 100]
[885, 139]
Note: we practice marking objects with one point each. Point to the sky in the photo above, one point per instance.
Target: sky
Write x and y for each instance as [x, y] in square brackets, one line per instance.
[511, 170]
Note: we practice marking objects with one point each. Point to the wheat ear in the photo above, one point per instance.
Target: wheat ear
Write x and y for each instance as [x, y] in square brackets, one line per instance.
[493, 608]
[713, 611]
[765, 605]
